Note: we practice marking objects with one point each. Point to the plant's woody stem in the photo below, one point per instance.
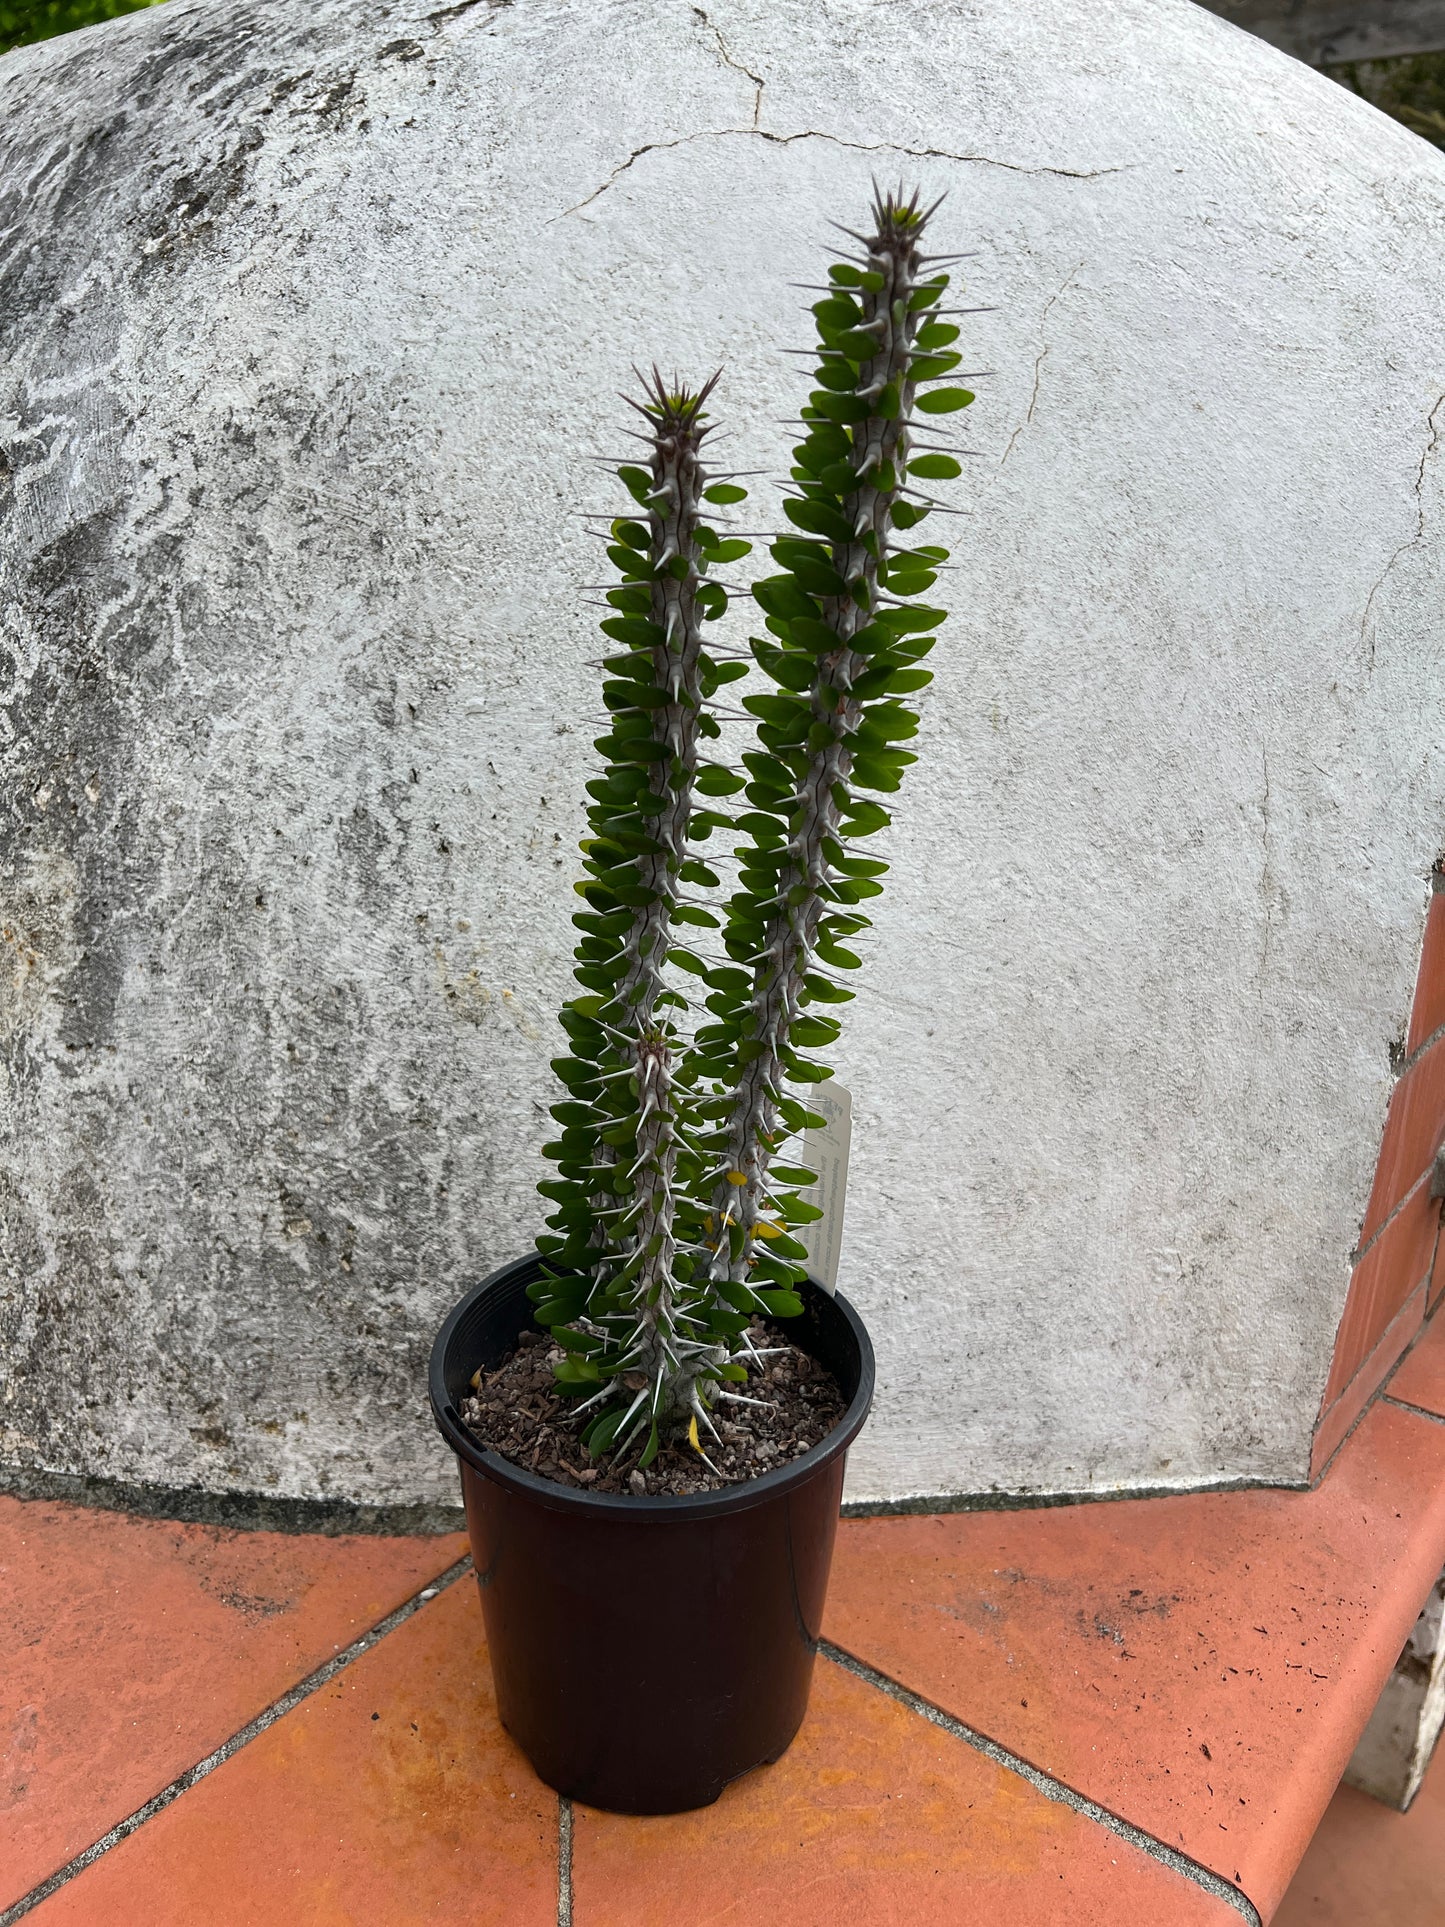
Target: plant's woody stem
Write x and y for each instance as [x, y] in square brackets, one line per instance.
[880, 447]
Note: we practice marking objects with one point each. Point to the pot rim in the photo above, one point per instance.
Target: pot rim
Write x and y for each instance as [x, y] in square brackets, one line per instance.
[637, 1507]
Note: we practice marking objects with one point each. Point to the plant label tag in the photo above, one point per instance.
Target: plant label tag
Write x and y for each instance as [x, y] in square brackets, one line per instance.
[826, 1152]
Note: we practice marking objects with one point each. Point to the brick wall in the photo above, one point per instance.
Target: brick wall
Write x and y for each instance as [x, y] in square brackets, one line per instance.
[1396, 1281]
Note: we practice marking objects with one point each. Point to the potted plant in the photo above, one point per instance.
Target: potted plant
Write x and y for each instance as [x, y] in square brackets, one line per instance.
[652, 1572]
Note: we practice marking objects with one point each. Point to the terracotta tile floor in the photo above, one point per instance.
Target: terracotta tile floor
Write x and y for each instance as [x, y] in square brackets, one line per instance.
[1132, 1712]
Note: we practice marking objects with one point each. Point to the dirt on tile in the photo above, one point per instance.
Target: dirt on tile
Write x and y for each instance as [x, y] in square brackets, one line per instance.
[518, 1411]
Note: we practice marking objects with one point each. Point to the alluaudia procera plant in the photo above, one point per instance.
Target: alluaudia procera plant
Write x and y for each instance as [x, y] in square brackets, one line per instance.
[675, 1222]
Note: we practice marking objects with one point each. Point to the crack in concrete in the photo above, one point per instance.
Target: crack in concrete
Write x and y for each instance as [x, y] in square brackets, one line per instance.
[837, 140]
[1039, 361]
[1429, 449]
[726, 54]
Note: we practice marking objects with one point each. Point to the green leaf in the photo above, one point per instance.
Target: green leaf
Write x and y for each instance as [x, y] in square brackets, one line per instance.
[585, 1343]
[713, 780]
[941, 468]
[837, 311]
[837, 958]
[782, 1304]
[724, 492]
[903, 621]
[827, 442]
[820, 991]
[634, 599]
[840, 408]
[862, 818]
[943, 401]
[557, 1311]
[774, 709]
[637, 482]
[649, 1451]
[781, 596]
[858, 344]
[811, 566]
[685, 960]
[785, 666]
[932, 367]
[818, 519]
[811, 1033]
[602, 1431]
[576, 1371]
[728, 551]
[635, 630]
[703, 822]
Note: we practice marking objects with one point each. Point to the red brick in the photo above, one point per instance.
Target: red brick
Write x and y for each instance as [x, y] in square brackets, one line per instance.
[1414, 1126]
[1396, 1264]
[1429, 1012]
[1421, 1379]
[1335, 1420]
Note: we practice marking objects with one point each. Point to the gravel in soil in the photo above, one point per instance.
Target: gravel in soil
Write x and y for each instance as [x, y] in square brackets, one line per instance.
[516, 1410]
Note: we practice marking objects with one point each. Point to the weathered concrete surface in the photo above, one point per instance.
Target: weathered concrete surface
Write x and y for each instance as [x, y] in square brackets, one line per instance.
[305, 311]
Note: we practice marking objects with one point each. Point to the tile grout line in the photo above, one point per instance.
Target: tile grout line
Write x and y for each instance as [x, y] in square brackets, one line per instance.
[1041, 1782]
[922, 1505]
[302, 1690]
[1378, 1397]
[1363, 1250]
[1386, 1398]
[1381, 1394]
[564, 1861]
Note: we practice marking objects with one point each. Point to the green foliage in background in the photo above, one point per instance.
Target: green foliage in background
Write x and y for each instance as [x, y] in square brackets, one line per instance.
[674, 1219]
[1410, 89]
[20, 24]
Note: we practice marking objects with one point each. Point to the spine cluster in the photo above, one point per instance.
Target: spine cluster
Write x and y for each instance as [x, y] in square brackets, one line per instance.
[674, 1223]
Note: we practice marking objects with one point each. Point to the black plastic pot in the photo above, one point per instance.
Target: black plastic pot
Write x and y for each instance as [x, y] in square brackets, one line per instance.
[648, 1650]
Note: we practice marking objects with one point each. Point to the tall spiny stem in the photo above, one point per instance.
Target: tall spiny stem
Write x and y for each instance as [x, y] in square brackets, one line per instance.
[673, 1219]
[615, 1289]
[842, 649]
[675, 514]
